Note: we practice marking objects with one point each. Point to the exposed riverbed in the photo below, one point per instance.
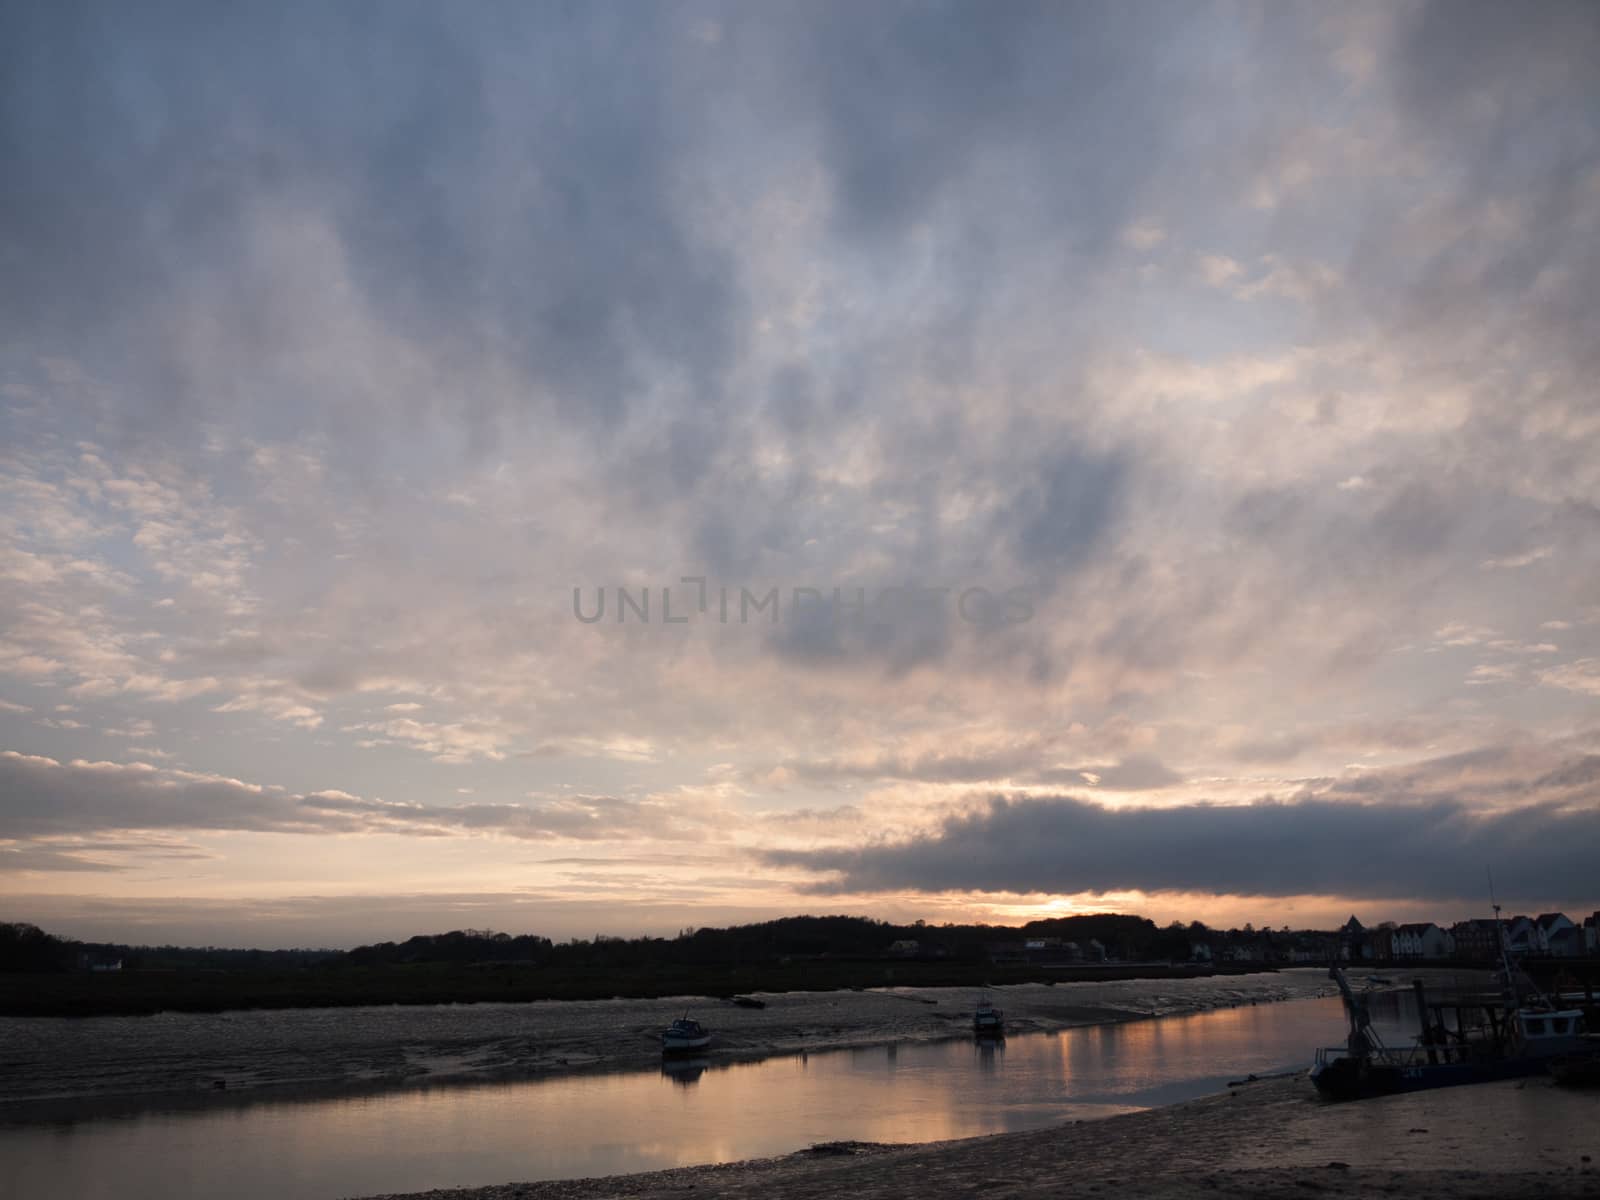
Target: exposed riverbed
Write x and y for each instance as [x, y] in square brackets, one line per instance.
[369, 1049]
[285, 1143]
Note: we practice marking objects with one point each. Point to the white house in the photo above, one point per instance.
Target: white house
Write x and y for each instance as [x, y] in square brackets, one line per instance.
[1424, 940]
[1522, 935]
[1567, 943]
[1547, 926]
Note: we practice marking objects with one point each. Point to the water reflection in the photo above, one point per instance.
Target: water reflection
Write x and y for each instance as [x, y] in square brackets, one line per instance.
[989, 1052]
[685, 1072]
[689, 1111]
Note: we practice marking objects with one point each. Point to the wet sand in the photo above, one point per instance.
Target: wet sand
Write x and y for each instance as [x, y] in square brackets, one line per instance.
[1506, 1141]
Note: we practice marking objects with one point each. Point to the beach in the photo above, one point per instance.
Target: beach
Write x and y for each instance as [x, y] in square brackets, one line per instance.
[1517, 1140]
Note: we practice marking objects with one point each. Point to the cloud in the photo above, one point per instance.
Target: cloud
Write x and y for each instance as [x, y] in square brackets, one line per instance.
[400, 329]
[1517, 560]
[1027, 761]
[1423, 832]
[42, 858]
[577, 817]
[41, 798]
[44, 797]
[1582, 675]
[1144, 235]
[1307, 848]
[1218, 270]
[278, 700]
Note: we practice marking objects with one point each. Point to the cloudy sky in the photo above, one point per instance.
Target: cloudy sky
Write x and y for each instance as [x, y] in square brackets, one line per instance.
[1193, 405]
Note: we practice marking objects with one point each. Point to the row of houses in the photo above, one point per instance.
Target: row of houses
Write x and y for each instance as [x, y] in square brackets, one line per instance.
[1549, 935]
[1046, 952]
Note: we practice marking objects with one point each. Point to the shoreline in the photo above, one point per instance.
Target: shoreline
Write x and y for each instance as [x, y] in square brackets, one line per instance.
[1269, 1139]
[100, 1067]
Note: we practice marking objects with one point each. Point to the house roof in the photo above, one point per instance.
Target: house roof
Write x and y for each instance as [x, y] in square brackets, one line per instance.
[1546, 920]
[1417, 928]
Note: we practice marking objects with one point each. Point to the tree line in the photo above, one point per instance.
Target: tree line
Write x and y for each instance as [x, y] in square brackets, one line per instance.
[25, 947]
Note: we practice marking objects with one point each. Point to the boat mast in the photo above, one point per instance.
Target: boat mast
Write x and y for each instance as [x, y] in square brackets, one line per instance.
[1508, 962]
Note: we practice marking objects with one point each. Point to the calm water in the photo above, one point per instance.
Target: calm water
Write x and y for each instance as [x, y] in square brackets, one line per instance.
[606, 1124]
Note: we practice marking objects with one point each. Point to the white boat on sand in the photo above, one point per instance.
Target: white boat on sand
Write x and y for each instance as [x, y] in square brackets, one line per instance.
[988, 1021]
[683, 1035]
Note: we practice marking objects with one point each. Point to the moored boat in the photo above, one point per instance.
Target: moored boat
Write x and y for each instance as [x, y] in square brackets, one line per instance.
[988, 1021]
[685, 1035]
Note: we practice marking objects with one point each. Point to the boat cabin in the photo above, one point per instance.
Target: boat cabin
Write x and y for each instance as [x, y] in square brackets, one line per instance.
[1557, 1032]
[685, 1034]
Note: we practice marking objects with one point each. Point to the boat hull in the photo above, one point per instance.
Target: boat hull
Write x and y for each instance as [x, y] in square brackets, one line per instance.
[1353, 1079]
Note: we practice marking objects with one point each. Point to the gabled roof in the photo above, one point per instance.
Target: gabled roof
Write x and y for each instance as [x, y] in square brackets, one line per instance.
[1417, 928]
[1353, 925]
[1546, 920]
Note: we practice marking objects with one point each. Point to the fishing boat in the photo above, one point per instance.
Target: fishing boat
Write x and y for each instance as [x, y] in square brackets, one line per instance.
[1504, 1035]
[987, 1020]
[685, 1035]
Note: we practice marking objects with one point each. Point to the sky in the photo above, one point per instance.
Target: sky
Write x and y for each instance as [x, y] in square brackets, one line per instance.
[586, 469]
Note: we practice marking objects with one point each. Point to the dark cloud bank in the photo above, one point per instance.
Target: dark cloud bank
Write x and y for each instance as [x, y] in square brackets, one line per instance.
[1437, 848]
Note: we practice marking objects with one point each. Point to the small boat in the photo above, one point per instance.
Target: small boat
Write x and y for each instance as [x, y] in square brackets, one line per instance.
[988, 1021]
[749, 1002]
[683, 1035]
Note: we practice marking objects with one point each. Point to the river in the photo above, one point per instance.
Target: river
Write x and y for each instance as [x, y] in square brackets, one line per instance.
[262, 1148]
